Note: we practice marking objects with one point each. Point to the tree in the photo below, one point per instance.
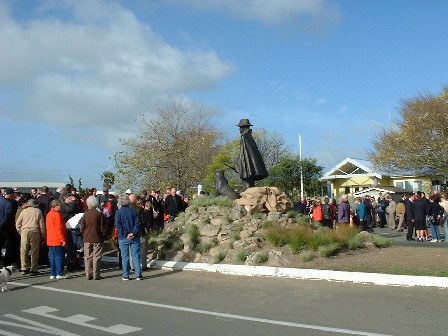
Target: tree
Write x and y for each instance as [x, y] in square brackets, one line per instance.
[418, 140]
[272, 148]
[173, 148]
[108, 179]
[286, 176]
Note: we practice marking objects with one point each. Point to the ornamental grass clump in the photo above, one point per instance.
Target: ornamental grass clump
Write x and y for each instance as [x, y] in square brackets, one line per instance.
[298, 238]
[192, 232]
[220, 257]
[329, 250]
[277, 235]
[302, 219]
[344, 235]
[236, 235]
[381, 242]
[356, 242]
[261, 257]
[322, 236]
[242, 255]
[205, 247]
[178, 245]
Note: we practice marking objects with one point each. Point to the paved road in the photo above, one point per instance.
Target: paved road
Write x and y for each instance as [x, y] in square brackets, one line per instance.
[194, 303]
[400, 238]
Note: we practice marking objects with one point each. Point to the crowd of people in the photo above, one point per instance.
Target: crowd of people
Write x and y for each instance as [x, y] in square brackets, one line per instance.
[45, 228]
[422, 217]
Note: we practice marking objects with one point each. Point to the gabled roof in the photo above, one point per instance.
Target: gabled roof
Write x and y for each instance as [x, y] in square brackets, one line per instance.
[352, 168]
[383, 190]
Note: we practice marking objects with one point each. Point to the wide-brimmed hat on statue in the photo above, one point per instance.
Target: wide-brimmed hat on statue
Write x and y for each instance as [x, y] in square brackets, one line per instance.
[244, 122]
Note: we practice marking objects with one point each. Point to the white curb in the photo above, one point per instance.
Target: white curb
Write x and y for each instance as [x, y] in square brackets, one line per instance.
[305, 274]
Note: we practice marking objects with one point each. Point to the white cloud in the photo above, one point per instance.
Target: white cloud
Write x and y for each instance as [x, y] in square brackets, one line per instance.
[99, 65]
[320, 102]
[314, 14]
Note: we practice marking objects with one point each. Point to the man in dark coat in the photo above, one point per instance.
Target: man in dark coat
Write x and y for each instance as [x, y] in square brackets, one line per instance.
[249, 164]
[409, 214]
[44, 201]
[8, 232]
[173, 205]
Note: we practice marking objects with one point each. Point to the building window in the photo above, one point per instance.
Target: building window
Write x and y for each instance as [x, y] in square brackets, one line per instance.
[409, 185]
[418, 185]
[356, 189]
[347, 190]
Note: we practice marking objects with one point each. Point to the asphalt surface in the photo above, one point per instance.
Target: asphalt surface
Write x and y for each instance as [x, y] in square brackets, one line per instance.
[200, 303]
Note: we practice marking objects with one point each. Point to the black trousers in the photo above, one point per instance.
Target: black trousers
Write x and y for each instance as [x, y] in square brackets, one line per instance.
[410, 232]
[12, 253]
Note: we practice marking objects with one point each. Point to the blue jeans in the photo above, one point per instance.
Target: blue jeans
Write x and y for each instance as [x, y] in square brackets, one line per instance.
[445, 225]
[134, 245]
[57, 260]
[435, 229]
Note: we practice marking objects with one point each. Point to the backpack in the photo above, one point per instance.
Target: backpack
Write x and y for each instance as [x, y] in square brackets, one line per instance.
[327, 212]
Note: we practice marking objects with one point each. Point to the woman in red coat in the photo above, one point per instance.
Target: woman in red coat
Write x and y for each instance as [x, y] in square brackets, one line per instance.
[317, 211]
[56, 241]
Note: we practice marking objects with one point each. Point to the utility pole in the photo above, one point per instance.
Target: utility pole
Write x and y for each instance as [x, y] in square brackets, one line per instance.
[301, 167]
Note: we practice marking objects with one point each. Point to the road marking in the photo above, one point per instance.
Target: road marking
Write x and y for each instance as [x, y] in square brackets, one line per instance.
[79, 319]
[204, 312]
[37, 326]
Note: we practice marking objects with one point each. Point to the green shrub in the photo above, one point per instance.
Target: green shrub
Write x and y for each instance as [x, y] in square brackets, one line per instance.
[381, 242]
[277, 236]
[192, 231]
[220, 257]
[302, 219]
[299, 237]
[152, 244]
[178, 245]
[236, 234]
[322, 236]
[356, 242]
[161, 255]
[261, 257]
[168, 243]
[329, 250]
[205, 247]
[205, 221]
[292, 214]
[257, 215]
[242, 255]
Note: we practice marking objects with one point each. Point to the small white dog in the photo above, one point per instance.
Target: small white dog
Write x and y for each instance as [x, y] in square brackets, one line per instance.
[5, 276]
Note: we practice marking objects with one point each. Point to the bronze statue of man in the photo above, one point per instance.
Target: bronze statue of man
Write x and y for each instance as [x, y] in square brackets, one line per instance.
[249, 164]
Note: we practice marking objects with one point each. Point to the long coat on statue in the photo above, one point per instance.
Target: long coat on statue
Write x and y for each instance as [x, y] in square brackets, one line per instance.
[250, 164]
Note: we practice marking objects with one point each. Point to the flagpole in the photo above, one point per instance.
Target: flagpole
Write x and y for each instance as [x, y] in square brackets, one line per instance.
[301, 168]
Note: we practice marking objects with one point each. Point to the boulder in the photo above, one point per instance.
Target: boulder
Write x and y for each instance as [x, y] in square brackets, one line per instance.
[210, 230]
[263, 199]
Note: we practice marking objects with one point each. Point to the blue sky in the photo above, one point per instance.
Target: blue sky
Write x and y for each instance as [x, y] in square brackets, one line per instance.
[74, 75]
